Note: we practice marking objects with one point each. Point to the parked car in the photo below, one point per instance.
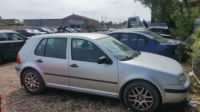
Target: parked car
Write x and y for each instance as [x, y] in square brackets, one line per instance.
[162, 31]
[44, 29]
[53, 30]
[10, 44]
[38, 32]
[101, 65]
[27, 32]
[78, 29]
[144, 40]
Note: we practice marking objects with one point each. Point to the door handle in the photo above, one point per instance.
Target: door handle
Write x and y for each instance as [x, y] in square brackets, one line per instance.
[39, 61]
[74, 65]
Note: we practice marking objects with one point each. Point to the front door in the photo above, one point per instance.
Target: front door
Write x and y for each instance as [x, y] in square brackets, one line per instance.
[50, 56]
[86, 74]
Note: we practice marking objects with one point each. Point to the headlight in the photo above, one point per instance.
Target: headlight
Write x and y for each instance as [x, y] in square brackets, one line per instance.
[182, 78]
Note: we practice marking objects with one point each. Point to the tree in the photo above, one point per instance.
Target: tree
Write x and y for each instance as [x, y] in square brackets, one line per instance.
[175, 13]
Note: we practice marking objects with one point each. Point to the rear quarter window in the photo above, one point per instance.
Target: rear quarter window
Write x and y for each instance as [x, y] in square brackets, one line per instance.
[52, 47]
[40, 49]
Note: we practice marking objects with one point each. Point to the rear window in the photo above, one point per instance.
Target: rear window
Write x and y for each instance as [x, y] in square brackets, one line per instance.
[52, 47]
[3, 37]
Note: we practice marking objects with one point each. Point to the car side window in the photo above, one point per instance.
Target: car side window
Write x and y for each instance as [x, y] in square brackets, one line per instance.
[13, 36]
[83, 50]
[115, 35]
[40, 50]
[141, 41]
[132, 38]
[52, 47]
[129, 39]
[56, 48]
[3, 37]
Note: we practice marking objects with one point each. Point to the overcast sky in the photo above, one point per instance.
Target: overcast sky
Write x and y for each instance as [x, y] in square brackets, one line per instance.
[115, 10]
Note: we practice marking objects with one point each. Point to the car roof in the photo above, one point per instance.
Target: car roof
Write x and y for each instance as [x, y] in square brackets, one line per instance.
[130, 30]
[7, 31]
[158, 27]
[79, 35]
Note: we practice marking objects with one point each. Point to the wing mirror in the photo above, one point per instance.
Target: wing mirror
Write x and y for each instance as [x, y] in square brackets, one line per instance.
[104, 60]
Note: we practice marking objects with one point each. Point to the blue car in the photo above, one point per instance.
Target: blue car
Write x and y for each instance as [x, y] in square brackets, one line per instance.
[147, 41]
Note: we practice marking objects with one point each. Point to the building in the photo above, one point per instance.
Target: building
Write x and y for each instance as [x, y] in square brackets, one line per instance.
[43, 22]
[73, 21]
[9, 21]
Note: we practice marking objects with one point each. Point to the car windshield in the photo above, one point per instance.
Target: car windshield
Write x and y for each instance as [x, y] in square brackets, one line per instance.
[156, 37]
[117, 49]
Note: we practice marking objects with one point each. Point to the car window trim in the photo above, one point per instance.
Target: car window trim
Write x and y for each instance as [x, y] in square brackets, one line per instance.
[66, 57]
[92, 43]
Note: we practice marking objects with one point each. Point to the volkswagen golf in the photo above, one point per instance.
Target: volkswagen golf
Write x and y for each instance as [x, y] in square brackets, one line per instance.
[99, 64]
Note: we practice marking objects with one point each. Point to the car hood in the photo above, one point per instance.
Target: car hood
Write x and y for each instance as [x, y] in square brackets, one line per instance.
[153, 62]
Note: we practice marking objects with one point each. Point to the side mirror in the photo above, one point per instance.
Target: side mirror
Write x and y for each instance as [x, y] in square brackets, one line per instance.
[104, 60]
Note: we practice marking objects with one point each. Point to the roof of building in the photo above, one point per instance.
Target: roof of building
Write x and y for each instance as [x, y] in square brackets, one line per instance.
[78, 17]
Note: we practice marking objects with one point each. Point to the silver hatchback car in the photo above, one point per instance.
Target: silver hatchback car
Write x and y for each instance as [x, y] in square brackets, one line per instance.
[101, 65]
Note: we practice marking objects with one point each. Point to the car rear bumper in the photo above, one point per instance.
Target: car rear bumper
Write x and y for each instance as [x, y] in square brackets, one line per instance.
[18, 69]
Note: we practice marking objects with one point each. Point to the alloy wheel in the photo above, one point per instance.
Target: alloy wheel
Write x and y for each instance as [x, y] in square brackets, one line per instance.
[32, 82]
[140, 98]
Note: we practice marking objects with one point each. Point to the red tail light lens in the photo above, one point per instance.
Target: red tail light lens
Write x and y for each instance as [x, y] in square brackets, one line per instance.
[18, 61]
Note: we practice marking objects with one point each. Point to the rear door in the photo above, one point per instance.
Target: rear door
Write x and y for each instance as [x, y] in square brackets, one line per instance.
[5, 49]
[51, 57]
[16, 42]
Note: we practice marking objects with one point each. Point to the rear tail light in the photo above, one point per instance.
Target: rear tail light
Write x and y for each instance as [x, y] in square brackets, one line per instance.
[18, 61]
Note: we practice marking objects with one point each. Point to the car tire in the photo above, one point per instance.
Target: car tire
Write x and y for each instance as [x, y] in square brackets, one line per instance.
[141, 96]
[33, 82]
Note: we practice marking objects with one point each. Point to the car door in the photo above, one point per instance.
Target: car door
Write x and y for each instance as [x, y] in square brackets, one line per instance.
[86, 74]
[51, 57]
[17, 41]
[5, 48]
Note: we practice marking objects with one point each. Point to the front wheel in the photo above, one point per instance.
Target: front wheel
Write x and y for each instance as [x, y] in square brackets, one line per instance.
[141, 96]
[33, 82]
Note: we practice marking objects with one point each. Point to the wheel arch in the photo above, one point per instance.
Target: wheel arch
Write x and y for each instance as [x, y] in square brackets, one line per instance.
[134, 80]
[26, 68]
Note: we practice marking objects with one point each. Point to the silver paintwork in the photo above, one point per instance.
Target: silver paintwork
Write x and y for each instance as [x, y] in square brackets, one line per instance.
[162, 72]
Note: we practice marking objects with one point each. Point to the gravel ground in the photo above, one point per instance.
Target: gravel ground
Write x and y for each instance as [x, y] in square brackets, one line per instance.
[15, 98]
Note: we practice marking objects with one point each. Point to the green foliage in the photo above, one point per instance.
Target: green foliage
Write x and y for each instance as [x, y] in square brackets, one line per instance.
[179, 16]
[183, 27]
[195, 46]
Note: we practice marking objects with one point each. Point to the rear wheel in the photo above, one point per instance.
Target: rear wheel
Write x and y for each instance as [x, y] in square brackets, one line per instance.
[33, 82]
[141, 96]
